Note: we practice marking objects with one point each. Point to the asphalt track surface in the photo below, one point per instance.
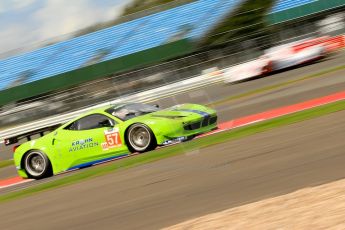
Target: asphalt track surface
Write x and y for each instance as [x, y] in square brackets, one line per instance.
[207, 202]
[7, 172]
[288, 95]
[172, 190]
[306, 90]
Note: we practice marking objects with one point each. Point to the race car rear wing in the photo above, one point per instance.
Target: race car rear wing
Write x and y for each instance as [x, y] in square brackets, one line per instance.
[15, 139]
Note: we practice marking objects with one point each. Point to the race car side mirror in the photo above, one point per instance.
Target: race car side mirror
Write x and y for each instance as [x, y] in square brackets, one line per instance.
[156, 105]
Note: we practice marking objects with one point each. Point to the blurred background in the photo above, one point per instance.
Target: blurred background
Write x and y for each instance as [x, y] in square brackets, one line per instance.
[143, 44]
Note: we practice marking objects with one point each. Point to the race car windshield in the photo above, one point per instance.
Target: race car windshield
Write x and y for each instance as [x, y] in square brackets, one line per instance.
[129, 111]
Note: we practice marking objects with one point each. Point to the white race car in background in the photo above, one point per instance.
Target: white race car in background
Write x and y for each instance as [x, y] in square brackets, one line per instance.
[285, 56]
[245, 71]
[277, 58]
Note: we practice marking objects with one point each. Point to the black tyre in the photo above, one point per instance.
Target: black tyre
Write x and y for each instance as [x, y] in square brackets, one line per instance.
[140, 138]
[37, 165]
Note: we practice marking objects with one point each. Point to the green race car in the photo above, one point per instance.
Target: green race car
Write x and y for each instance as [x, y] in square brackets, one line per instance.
[107, 133]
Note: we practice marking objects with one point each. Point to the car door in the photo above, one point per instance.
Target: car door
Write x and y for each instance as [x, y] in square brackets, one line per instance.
[89, 139]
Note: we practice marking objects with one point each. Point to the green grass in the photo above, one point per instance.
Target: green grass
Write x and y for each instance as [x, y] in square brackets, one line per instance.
[276, 86]
[178, 149]
[6, 163]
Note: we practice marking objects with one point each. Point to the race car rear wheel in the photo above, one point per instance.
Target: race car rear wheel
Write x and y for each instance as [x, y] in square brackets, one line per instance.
[140, 138]
[37, 165]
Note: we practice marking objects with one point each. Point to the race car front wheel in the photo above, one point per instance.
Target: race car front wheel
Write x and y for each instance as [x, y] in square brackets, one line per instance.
[140, 138]
[37, 165]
